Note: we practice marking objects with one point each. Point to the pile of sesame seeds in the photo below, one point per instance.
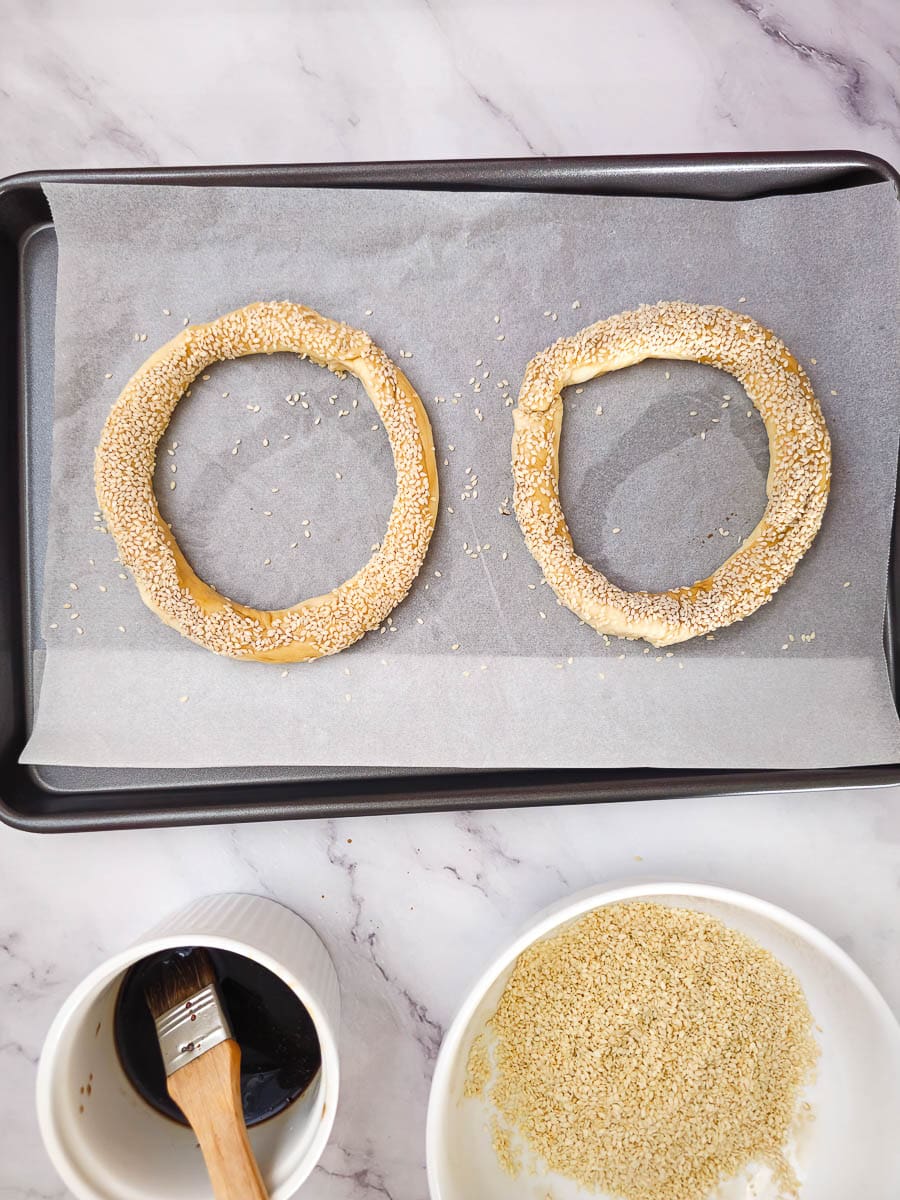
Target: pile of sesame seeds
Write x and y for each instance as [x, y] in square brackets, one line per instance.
[125, 463]
[649, 1052]
[799, 476]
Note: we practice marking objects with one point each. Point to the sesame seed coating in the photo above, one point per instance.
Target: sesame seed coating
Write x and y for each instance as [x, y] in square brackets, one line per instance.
[126, 458]
[797, 485]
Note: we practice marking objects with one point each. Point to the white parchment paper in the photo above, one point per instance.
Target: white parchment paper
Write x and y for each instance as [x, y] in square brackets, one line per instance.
[663, 474]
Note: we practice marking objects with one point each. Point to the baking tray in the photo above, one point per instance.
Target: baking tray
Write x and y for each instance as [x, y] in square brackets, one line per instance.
[67, 799]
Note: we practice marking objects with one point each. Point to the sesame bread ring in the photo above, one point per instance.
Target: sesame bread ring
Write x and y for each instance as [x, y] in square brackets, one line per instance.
[797, 485]
[126, 458]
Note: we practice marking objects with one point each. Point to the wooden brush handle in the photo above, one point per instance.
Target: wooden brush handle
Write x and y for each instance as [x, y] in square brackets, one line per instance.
[208, 1092]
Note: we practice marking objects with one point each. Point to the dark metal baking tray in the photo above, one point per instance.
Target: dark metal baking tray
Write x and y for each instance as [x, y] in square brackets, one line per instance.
[68, 798]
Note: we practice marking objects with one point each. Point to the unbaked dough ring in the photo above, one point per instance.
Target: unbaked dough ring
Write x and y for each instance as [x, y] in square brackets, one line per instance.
[797, 485]
[126, 458]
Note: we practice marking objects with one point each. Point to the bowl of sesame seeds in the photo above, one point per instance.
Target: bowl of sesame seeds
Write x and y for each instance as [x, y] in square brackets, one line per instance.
[668, 1041]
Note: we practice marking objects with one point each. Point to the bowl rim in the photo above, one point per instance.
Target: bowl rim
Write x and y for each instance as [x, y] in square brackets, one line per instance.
[575, 905]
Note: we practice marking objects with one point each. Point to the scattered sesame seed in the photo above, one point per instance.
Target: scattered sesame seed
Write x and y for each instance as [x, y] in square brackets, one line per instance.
[576, 304]
[108, 375]
[167, 312]
[183, 699]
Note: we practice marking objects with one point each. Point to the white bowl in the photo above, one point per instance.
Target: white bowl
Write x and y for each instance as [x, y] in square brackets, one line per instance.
[106, 1142]
[852, 1149]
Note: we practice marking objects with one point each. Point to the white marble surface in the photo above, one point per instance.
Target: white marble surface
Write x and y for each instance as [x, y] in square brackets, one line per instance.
[411, 907]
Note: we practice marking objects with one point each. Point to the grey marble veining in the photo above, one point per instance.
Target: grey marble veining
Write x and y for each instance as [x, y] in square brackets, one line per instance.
[411, 908]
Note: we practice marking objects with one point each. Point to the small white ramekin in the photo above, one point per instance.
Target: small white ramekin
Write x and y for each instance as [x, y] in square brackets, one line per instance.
[106, 1142]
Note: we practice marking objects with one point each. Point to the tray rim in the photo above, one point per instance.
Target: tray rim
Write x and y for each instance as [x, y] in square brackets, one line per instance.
[232, 803]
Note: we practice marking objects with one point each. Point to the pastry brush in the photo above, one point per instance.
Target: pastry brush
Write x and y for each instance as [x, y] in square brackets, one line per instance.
[203, 1070]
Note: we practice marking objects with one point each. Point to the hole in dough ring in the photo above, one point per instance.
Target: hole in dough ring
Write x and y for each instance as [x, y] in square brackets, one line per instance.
[126, 458]
[797, 485]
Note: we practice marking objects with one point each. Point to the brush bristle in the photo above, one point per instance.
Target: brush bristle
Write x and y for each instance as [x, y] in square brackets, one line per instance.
[177, 978]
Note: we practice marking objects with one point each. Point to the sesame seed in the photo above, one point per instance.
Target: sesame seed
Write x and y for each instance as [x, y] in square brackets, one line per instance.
[166, 312]
[108, 375]
[183, 699]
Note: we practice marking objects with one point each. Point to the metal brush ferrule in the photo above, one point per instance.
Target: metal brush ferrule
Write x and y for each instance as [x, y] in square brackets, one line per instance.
[190, 1029]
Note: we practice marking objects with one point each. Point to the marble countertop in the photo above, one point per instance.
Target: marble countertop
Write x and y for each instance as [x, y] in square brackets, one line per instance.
[412, 907]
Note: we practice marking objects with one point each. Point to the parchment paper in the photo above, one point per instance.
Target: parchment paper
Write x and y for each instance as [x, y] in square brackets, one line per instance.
[480, 667]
